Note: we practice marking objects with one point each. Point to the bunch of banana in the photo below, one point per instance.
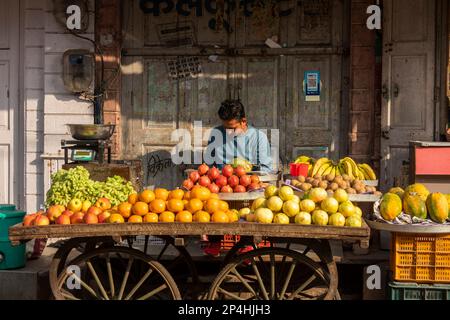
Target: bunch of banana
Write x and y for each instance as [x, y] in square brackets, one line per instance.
[367, 171]
[351, 169]
[326, 167]
[306, 160]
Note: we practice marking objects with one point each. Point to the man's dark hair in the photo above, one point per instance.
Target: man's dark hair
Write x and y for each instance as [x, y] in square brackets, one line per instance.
[231, 110]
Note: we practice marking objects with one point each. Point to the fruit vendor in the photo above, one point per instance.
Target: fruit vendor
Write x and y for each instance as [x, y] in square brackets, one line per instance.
[235, 138]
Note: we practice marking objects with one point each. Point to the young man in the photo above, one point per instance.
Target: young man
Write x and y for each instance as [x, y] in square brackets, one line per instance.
[235, 138]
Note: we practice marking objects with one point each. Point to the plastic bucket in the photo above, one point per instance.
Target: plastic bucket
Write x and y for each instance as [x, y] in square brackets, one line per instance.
[298, 170]
[10, 257]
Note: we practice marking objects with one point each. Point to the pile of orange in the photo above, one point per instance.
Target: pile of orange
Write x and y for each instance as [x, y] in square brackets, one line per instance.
[161, 205]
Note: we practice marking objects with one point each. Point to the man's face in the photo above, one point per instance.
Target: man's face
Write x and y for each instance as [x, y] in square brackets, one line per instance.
[235, 127]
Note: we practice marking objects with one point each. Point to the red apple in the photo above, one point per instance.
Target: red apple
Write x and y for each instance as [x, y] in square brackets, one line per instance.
[188, 184]
[28, 220]
[255, 179]
[254, 186]
[203, 169]
[227, 171]
[68, 213]
[226, 189]
[95, 210]
[63, 220]
[194, 176]
[41, 220]
[240, 189]
[233, 181]
[214, 188]
[77, 218]
[54, 212]
[239, 171]
[90, 218]
[221, 181]
[204, 181]
[104, 216]
[103, 204]
[213, 173]
[245, 180]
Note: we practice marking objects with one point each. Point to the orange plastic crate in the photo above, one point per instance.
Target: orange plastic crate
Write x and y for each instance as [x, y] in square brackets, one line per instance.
[229, 241]
[420, 258]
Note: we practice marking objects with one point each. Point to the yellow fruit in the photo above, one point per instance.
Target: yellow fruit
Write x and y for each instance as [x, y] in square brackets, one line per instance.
[133, 198]
[341, 195]
[353, 221]
[176, 194]
[223, 206]
[212, 205]
[274, 203]
[233, 216]
[158, 206]
[264, 215]
[303, 218]
[320, 218]
[116, 218]
[195, 205]
[307, 206]
[220, 217]
[200, 193]
[135, 219]
[337, 220]
[167, 216]
[271, 191]
[184, 217]
[202, 217]
[358, 212]
[175, 205]
[318, 195]
[125, 209]
[291, 208]
[281, 218]
[286, 193]
[258, 203]
[347, 209]
[244, 212]
[151, 218]
[330, 205]
[140, 209]
[147, 196]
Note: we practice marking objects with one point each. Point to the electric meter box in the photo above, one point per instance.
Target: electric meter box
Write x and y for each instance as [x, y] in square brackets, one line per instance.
[78, 70]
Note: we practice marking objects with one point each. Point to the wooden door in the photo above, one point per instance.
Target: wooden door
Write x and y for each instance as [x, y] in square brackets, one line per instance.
[9, 104]
[408, 82]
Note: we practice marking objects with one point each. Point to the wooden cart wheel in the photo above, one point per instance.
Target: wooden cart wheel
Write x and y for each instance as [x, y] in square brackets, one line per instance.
[272, 274]
[319, 247]
[116, 273]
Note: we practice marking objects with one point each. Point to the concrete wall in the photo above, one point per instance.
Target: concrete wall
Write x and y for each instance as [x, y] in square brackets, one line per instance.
[48, 105]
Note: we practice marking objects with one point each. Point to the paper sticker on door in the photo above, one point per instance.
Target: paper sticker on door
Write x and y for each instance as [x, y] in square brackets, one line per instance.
[312, 87]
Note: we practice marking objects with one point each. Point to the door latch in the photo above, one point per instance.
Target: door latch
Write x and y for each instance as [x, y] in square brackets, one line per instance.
[385, 92]
[396, 90]
[386, 134]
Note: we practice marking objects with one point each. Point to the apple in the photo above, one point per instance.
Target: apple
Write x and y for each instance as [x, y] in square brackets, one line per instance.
[194, 176]
[240, 171]
[77, 218]
[95, 210]
[104, 216]
[254, 186]
[227, 171]
[204, 181]
[75, 205]
[67, 213]
[255, 179]
[103, 204]
[61, 207]
[90, 218]
[245, 180]
[41, 220]
[221, 181]
[214, 188]
[63, 220]
[233, 181]
[29, 219]
[240, 189]
[213, 173]
[188, 184]
[203, 169]
[54, 212]
[86, 205]
[226, 189]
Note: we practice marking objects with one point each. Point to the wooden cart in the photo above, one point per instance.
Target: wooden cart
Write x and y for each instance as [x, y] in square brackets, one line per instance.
[95, 264]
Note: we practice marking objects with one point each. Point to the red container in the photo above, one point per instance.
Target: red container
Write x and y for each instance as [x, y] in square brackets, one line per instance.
[299, 170]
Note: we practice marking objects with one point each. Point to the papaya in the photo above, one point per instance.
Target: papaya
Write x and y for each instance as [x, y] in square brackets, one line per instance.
[414, 206]
[398, 191]
[437, 206]
[391, 206]
[418, 189]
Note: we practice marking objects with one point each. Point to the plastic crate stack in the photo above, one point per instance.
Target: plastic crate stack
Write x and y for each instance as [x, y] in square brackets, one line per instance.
[420, 267]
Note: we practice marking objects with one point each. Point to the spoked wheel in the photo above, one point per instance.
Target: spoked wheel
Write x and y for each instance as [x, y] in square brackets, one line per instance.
[116, 273]
[272, 274]
[181, 266]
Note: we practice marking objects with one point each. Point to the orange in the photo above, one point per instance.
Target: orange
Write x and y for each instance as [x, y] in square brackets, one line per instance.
[162, 194]
[133, 198]
[201, 193]
[212, 205]
[125, 209]
[175, 205]
[140, 209]
[158, 206]
[116, 218]
[151, 218]
[184, 217]
[202, 217]
[195, 205]
[135, 219]
[147, 196]
[220, 217]
[223, 206]
[167, 216]
[176, 194]
[187, 196]
[214, 196]
[185, 203]
[233, 216]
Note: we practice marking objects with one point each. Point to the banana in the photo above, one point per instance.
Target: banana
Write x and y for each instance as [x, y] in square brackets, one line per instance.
[318, 165]
[369, 171]
[328, 171]
[333, 172]
[324, 168]
[348, 169]
[338, 171]
[355, 170]
[303, 159]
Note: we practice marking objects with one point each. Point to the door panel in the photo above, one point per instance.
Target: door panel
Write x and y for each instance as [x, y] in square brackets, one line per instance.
[4, 25]
[408, 80]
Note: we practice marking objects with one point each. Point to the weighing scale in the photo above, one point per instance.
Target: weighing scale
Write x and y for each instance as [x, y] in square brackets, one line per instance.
[83, 151]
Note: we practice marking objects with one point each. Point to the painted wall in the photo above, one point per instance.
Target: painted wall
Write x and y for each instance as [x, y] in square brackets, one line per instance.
[48, 105]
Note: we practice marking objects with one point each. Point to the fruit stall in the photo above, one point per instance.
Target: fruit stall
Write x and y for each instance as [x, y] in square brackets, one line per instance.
[287, 231]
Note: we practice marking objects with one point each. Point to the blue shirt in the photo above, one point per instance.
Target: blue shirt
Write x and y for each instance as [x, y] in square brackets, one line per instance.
[252, 146]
